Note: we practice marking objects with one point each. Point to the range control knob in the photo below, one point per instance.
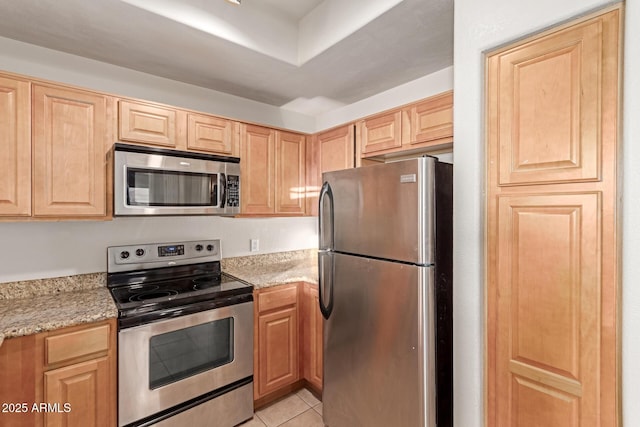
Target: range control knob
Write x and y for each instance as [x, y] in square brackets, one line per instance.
[198, 248]
[139, 252]
[124, 254]
[209, 248]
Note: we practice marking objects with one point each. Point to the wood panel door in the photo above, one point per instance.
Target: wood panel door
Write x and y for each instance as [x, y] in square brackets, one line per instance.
[381, 133]
[72, 130]
[428, 122]
[150, 124]
[85, 387]
[257, 148]
[212, 134]
[331, 150]
[550, 108]
[15, 143]
[290, 191]
[552, 269]
[20, 377]
[277, 349]
[548, 257]
[313, 341]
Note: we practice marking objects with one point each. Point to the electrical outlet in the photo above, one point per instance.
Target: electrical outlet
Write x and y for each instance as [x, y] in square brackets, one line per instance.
[255, 245]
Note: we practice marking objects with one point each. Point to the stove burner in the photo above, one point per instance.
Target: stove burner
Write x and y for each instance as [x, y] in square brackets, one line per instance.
[152, 294]
[142, 288]
[205, 283]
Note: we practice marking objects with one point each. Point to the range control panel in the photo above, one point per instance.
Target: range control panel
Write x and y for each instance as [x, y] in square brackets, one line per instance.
[152, 255]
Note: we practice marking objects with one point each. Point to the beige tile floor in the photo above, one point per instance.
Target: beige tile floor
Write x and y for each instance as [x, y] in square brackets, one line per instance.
[299, 409]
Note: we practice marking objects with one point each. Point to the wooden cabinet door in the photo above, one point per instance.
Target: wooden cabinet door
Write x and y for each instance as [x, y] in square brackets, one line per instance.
[548, 253]
[381, 133]
[290, 191]
[149, 124]
[212, 134]
[15, 143]
[257, 147]
[277, 349]
[329, 151]
[20, 377]
[552, 269]
[336, 149]
[313, 344]
[550, 96]
[72, 131]
[429, 122]
[85, 387]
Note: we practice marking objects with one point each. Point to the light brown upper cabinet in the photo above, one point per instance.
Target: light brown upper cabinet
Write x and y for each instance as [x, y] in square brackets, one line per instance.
[429, 122]
[328, 151]
[273, 171]
[212, 134]
[72, 134]
[418, 127]
[290, 173]
[382, 132]
[165, 126]
[15, 159]
[552, 243]
[149, 124]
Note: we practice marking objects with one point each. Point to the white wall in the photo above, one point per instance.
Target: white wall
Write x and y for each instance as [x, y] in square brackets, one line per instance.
[479, 27]
[631, 224]
[35, 61]
[52, 249]
[423, 87]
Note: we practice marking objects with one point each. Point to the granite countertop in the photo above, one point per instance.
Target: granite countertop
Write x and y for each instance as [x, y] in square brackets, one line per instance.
[34, 306]
[274, 269]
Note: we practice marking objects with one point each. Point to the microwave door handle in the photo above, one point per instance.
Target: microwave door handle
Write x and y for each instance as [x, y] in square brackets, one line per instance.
[223, 182]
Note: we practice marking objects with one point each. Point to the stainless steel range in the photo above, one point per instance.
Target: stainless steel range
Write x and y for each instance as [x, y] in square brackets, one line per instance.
[185, 336]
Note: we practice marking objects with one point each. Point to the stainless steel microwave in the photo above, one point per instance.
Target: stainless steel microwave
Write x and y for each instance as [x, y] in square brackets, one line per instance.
[154, 181]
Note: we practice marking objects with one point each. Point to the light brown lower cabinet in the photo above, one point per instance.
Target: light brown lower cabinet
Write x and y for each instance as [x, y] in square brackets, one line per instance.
[312, 346]
[65, 377]
[287, 341]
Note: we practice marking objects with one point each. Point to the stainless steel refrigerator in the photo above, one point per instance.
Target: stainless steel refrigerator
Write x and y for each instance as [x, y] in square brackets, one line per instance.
[385, 293]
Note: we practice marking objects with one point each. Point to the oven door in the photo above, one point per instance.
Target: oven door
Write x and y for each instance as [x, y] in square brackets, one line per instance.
[166, 363]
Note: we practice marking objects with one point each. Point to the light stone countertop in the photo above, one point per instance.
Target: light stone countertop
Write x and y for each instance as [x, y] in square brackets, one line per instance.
[274, 269]
[30, 307]
[33, 306]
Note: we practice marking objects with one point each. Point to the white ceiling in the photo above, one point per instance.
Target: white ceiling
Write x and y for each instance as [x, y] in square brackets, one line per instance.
[303, 55]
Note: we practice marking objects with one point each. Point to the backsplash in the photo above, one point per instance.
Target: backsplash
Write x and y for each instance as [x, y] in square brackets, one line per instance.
[36, 250]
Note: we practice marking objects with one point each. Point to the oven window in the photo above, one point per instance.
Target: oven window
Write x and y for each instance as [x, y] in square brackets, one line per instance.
[181, 354]
[152, 187]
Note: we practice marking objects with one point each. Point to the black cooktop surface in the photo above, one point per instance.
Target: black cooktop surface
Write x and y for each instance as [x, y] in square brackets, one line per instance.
[173, 291]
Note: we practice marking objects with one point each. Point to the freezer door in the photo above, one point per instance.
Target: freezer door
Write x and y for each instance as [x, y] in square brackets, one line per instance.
[379, 345]
[384, 211]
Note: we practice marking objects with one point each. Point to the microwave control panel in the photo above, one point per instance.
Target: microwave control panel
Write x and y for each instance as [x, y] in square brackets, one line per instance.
[233, 190]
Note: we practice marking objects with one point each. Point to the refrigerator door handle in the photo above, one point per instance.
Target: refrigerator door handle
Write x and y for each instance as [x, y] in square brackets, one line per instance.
[325, 250]
[325, 191]
[322, 279]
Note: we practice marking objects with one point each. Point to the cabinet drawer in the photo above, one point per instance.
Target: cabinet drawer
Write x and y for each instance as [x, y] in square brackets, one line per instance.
[279, 296]
[73, 345]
